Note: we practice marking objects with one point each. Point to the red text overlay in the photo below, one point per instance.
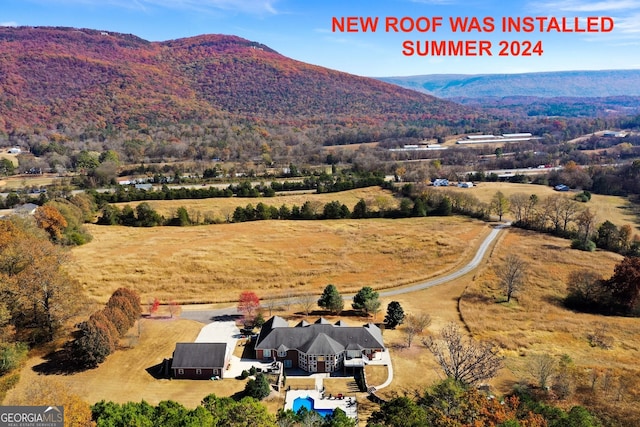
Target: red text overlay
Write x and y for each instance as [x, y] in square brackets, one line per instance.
[507, 25]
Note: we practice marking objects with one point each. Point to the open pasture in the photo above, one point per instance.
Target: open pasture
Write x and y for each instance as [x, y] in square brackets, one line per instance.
[273, 258]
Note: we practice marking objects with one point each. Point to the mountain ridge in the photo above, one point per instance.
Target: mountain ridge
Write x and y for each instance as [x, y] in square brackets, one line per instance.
[551, 84]
[61, 76]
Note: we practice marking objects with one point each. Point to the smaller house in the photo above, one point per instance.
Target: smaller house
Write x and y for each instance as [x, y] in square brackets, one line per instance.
[561, 187]
[199, 360]
[440, 182]
[465, 184]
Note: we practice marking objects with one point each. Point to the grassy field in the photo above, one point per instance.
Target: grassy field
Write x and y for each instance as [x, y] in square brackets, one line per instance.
[274, 258]
[536, 322]
[221, 208]
[123, 377]
[22, 181]
[278, 258]
[615, 209]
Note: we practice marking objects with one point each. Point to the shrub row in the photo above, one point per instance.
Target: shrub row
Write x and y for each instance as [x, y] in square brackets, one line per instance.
[97, 337]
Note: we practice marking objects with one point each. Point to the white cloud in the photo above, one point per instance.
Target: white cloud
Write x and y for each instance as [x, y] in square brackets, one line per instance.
[584, 6]
[629, 25]
[8, 24]
[257, 7]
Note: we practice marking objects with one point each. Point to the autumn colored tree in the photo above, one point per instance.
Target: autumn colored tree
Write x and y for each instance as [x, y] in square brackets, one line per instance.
[154, 306]
[248, 305]
[133, 298]
[50, 220]
[118, 318]
[36, 291]
[93, 344]
[624, 286]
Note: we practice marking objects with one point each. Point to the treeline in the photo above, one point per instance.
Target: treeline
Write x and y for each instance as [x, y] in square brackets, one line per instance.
[618, 295]
[449, 403]
[428, 203]
[566, 217]
[98, 336]
[323, 183]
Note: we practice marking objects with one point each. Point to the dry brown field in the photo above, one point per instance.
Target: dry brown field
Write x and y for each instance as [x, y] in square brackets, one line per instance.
[613, 208]
[16, 182]
[274, 258]
[123, 377]
[221, 208]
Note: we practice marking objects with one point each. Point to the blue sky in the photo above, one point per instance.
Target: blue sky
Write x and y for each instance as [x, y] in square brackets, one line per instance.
[302, 30]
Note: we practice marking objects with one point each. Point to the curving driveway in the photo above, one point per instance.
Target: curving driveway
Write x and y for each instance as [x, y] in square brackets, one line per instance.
[213, 315]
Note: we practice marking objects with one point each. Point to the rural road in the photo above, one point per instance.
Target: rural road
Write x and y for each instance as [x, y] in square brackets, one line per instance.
[208, 316]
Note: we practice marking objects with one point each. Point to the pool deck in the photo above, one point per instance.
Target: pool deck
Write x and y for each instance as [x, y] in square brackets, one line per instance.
[319, 403]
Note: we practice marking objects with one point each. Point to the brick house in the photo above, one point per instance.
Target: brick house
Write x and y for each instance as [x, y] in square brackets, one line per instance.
[318, 347]
[199, 360]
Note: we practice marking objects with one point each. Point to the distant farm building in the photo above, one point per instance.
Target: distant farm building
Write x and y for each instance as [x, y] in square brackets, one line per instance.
[613, 134]
[465, 184]
[440, 182]
[15, 150]
[561, 187]
[504, 138]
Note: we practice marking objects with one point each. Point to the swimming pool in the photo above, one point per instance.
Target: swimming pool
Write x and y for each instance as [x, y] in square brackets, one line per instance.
[307, 402]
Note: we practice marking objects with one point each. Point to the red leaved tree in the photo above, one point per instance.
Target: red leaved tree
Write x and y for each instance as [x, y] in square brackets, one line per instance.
[248, 305]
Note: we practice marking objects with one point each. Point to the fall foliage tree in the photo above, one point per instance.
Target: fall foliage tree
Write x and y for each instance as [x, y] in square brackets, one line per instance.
[35, 289]
[624, 286]
[50, 220]
[248, 305]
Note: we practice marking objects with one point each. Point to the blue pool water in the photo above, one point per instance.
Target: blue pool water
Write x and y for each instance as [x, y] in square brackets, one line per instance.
[307, 402]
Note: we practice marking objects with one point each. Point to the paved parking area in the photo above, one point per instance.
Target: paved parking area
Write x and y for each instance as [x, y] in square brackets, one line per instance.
[228, 332]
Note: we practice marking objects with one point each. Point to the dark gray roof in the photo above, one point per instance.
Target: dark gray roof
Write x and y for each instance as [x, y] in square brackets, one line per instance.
[199, 355]
[318, 338]
[322, 344]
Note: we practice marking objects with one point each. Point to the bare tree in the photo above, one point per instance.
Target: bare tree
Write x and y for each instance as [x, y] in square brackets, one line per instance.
[586, 222]
[464, 359]
[307, 302]
[270, 304]
[542, 367]
[414, 325]
[512, 274]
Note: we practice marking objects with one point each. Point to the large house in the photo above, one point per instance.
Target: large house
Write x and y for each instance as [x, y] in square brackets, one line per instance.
[199, 360]
[318, 347]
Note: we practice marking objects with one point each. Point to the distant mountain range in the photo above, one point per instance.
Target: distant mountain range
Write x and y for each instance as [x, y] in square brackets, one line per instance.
[61, 77]
[578, 84]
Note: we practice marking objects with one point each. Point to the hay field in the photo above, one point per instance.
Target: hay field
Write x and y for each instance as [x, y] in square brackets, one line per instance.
[123, 377]
[220, 208]
[536, 322]
[274, 258]
[613, 208]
